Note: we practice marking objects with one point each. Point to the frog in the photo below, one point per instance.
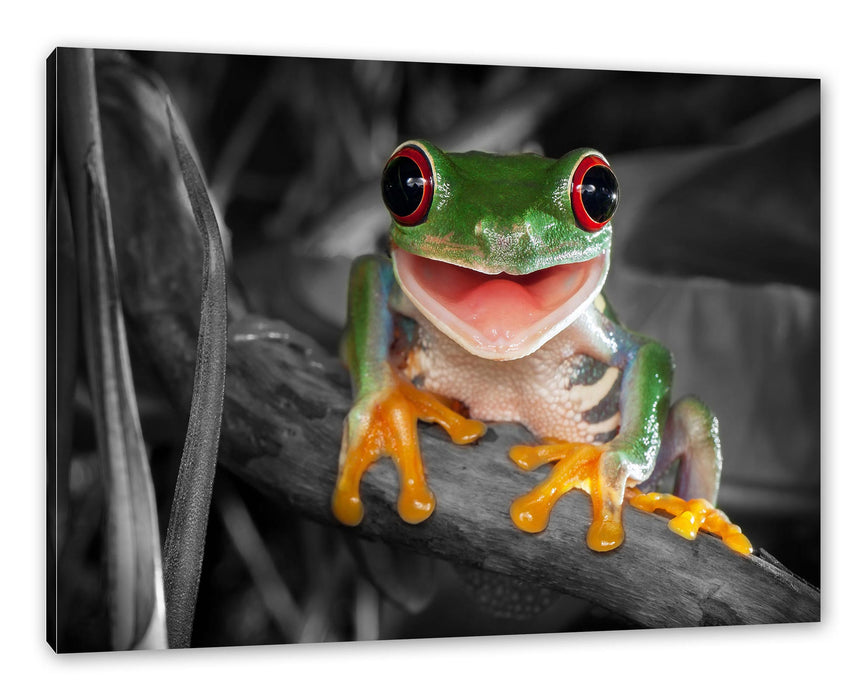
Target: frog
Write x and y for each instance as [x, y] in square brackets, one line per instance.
[489, 307]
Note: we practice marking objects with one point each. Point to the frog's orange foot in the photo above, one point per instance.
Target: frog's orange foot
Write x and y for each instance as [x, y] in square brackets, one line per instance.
[692, 516]
[385, 425]
[578, 466]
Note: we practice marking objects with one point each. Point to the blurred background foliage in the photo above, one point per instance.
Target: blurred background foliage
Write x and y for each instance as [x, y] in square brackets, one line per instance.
[717, 254]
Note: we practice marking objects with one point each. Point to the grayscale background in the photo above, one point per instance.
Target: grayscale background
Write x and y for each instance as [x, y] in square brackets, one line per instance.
[716, 254]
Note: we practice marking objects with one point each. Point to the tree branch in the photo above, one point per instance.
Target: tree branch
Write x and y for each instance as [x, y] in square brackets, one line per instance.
[286, 398]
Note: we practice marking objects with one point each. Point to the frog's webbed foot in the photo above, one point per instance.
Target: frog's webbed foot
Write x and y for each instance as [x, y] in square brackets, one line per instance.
[385, 424]
[578, 466]
[594, 469]
[691, 516]
[691, 441]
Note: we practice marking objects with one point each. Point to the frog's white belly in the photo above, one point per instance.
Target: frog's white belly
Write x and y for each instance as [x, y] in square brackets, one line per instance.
[557, 392]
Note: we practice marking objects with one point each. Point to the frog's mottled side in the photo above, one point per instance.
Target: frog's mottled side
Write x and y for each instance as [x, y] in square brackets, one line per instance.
[493, 297]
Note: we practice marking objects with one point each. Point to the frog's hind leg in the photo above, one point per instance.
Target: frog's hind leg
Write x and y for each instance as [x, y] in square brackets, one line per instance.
[691, 438]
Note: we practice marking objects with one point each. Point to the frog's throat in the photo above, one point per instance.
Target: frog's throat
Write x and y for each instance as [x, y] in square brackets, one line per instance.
[499, 317]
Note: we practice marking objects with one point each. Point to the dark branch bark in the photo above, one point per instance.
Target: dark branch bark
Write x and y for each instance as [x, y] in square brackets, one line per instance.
[285, 401]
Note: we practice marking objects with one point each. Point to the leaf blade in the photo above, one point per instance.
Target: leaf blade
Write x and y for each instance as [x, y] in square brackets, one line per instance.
[133, 559]
[187, 529]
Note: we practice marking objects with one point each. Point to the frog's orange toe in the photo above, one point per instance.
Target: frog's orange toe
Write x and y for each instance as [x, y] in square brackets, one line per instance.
[530, 514]
[605, 535]
[466, 430]
[416, 506]
[526, 457]
[427, 407]
[529, 457]
[690, 517]
[738, 542]
[686, 525]
[347, 508]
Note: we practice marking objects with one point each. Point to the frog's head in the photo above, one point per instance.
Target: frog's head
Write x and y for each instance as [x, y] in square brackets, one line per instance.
[500, 252]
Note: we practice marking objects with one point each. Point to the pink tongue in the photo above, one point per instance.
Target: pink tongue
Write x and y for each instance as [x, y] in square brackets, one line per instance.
[496, 307]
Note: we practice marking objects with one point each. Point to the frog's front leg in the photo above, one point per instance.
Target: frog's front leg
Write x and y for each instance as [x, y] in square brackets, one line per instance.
[650, 440]
[383, 418]
[578, 466]
[604, 471]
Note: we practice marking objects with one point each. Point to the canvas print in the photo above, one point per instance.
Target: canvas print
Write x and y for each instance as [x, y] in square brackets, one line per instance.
[350, 350]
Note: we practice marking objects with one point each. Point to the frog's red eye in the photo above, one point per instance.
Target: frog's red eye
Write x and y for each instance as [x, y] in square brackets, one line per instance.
[594, 193]
[407, 186]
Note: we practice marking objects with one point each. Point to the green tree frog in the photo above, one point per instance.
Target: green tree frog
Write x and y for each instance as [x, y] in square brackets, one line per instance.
[492, 297]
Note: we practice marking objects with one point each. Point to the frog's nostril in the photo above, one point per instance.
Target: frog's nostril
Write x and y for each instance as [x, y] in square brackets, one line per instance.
[501, 246]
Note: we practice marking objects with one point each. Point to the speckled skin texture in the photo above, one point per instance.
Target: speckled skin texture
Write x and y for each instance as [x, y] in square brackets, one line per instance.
[557, 392]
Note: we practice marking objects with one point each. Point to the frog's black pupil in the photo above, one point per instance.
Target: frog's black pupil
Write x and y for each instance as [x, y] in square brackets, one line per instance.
[402, 186]
[598, 192]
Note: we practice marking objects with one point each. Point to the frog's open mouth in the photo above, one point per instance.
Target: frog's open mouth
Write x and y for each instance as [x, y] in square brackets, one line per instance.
[503, 316]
